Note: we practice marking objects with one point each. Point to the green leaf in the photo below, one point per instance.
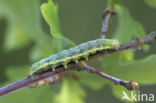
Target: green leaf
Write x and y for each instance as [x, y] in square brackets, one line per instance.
[92, 81]
[44, 50]
[23, 22]
[50, 13]
[71, 92]
[126, 56]
[36, 53]
[151, 3]
[127, 29]
[24, 26]
[62, 43]
[110, 62]
[13, 39]
[15, 73]
[142, 71]
[120, 91]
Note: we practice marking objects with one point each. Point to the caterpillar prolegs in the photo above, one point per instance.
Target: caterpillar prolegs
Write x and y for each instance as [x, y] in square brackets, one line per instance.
[74, 54]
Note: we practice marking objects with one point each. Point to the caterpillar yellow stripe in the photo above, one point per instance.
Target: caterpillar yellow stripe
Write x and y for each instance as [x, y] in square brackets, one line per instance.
[73, 54]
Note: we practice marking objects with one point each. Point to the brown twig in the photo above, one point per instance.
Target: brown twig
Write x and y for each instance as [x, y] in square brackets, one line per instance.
[129, 85]
[26, 81]
[106, 20]
[50, 80]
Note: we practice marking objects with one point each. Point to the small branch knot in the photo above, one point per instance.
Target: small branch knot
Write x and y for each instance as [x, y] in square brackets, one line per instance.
[106, 12]
[132, 85]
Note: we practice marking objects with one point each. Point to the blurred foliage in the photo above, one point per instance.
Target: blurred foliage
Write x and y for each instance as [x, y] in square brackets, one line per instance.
[127, 23]
[71, 92]
[24, 26]
[50, 13]
[151, 3]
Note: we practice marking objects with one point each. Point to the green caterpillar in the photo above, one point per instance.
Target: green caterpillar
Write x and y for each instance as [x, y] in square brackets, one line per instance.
[74, 54]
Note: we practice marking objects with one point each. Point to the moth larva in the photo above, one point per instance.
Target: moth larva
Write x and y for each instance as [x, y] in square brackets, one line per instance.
[74, 54]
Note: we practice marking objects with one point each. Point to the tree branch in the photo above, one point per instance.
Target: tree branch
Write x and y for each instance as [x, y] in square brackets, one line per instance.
[129, 85]
[107, 15]
[50, 80]
[137, 43]
[26, 82]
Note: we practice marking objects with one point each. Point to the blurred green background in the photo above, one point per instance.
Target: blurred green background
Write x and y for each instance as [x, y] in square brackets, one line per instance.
[80, 21]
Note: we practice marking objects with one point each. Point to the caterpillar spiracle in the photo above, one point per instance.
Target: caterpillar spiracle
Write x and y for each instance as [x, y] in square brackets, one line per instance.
[73, 54]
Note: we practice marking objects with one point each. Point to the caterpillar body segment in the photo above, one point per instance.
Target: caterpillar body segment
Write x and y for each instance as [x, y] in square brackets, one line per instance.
[74, 54]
